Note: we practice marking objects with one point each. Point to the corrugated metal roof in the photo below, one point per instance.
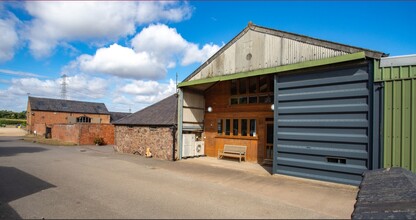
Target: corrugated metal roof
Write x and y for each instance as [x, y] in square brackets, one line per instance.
[163, 113]
[406, 60]
[60, 105]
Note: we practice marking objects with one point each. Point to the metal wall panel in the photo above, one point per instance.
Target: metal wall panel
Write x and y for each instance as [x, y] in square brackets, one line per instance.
[323, 125]
[399, 135]
[193, 110]
[399, 124]
[387, 73]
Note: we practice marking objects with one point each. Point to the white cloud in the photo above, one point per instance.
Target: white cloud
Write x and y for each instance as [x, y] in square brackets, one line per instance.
[123, 62]
[168, 46]
[79, 87]
[83, 86]
[19, 73]
[193, 54]
[153, 11]
[161, 41]
[155, 49]
[147, 92]
[8, 39]
[55, 22]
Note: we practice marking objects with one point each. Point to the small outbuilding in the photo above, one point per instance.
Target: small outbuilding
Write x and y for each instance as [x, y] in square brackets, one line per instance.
[153, 127]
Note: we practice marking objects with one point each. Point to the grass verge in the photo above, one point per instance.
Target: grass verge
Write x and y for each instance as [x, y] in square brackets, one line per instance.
[42, 140]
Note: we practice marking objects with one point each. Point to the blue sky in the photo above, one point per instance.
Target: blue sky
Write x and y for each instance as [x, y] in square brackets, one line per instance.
[126, 54]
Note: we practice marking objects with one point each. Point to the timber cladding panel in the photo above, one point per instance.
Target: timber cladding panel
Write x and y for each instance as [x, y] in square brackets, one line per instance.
[218, 97]
[135, 140]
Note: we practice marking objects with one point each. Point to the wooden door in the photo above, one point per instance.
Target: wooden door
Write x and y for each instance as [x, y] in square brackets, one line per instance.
[268, 148]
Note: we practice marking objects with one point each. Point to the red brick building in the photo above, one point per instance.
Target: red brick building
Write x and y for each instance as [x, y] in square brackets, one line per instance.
[44, 115]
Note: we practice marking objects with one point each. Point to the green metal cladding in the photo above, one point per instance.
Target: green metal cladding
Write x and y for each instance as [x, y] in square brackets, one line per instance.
[399, 115]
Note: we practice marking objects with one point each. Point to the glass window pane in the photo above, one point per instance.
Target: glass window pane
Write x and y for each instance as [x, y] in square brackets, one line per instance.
[234, 101]
[235, 127]
[219, 126]
[243, 100]
[271, 82]
[253, 127]
[263, 99]
[252, 85]
[270, 133]
[234, 87]
[263, 83]
[243, 127]
[227, 126]
[243, 86]
[252, 99]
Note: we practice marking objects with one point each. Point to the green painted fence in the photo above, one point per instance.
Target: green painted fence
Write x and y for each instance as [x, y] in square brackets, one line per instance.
[399, 115]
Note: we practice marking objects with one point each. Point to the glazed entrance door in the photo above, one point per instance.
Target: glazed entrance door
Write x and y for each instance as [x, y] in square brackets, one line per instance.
[268, 150]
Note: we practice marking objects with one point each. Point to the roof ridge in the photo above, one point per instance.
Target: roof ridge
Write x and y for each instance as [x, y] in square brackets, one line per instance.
[324, 43]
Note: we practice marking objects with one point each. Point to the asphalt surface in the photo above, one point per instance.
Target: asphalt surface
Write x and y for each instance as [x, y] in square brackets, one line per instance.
[39, 181]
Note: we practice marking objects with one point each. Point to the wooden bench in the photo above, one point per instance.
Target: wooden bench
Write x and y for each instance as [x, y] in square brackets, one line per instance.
[233, 151]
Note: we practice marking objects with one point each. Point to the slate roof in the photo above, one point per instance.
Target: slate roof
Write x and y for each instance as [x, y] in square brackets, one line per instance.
[60, 105]
[115, 116]
[162, 113]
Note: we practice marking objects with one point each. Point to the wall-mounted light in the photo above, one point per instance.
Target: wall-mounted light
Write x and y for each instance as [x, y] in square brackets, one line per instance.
[272, 107]
[209, 109]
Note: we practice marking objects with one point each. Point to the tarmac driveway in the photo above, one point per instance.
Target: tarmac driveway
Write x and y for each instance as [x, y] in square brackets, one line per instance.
[39, 181]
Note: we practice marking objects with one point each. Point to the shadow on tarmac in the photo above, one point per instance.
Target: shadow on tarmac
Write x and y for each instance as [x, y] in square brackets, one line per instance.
[17, 184]
[12, 151]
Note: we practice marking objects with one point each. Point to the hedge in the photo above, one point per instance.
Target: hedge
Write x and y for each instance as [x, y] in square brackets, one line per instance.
[4, 121]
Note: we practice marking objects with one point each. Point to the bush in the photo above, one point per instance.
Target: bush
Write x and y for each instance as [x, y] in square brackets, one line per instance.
[4, 121]
[98, 140]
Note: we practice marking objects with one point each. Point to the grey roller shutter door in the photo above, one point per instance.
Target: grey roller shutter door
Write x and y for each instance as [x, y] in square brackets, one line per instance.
[322, 125]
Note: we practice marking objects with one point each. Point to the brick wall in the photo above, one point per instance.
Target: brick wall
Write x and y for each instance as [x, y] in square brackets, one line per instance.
[135, 140]
[39, 128]
[89, 131]
[66, 132]
[83, 133]
[51, 118]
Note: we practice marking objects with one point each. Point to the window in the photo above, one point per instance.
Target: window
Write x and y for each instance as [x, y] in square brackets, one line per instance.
[234, 87]
[219, 125]
[243, 127]
[252, 99]
[253, 90]
[235, 127]
[83, 119]
[227, 126]
[252, 85]
[243, 86]
[263, 84]
[253, 127]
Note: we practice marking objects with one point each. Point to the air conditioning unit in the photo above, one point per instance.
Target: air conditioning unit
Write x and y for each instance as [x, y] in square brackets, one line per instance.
[199, 148]
[188, 145]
